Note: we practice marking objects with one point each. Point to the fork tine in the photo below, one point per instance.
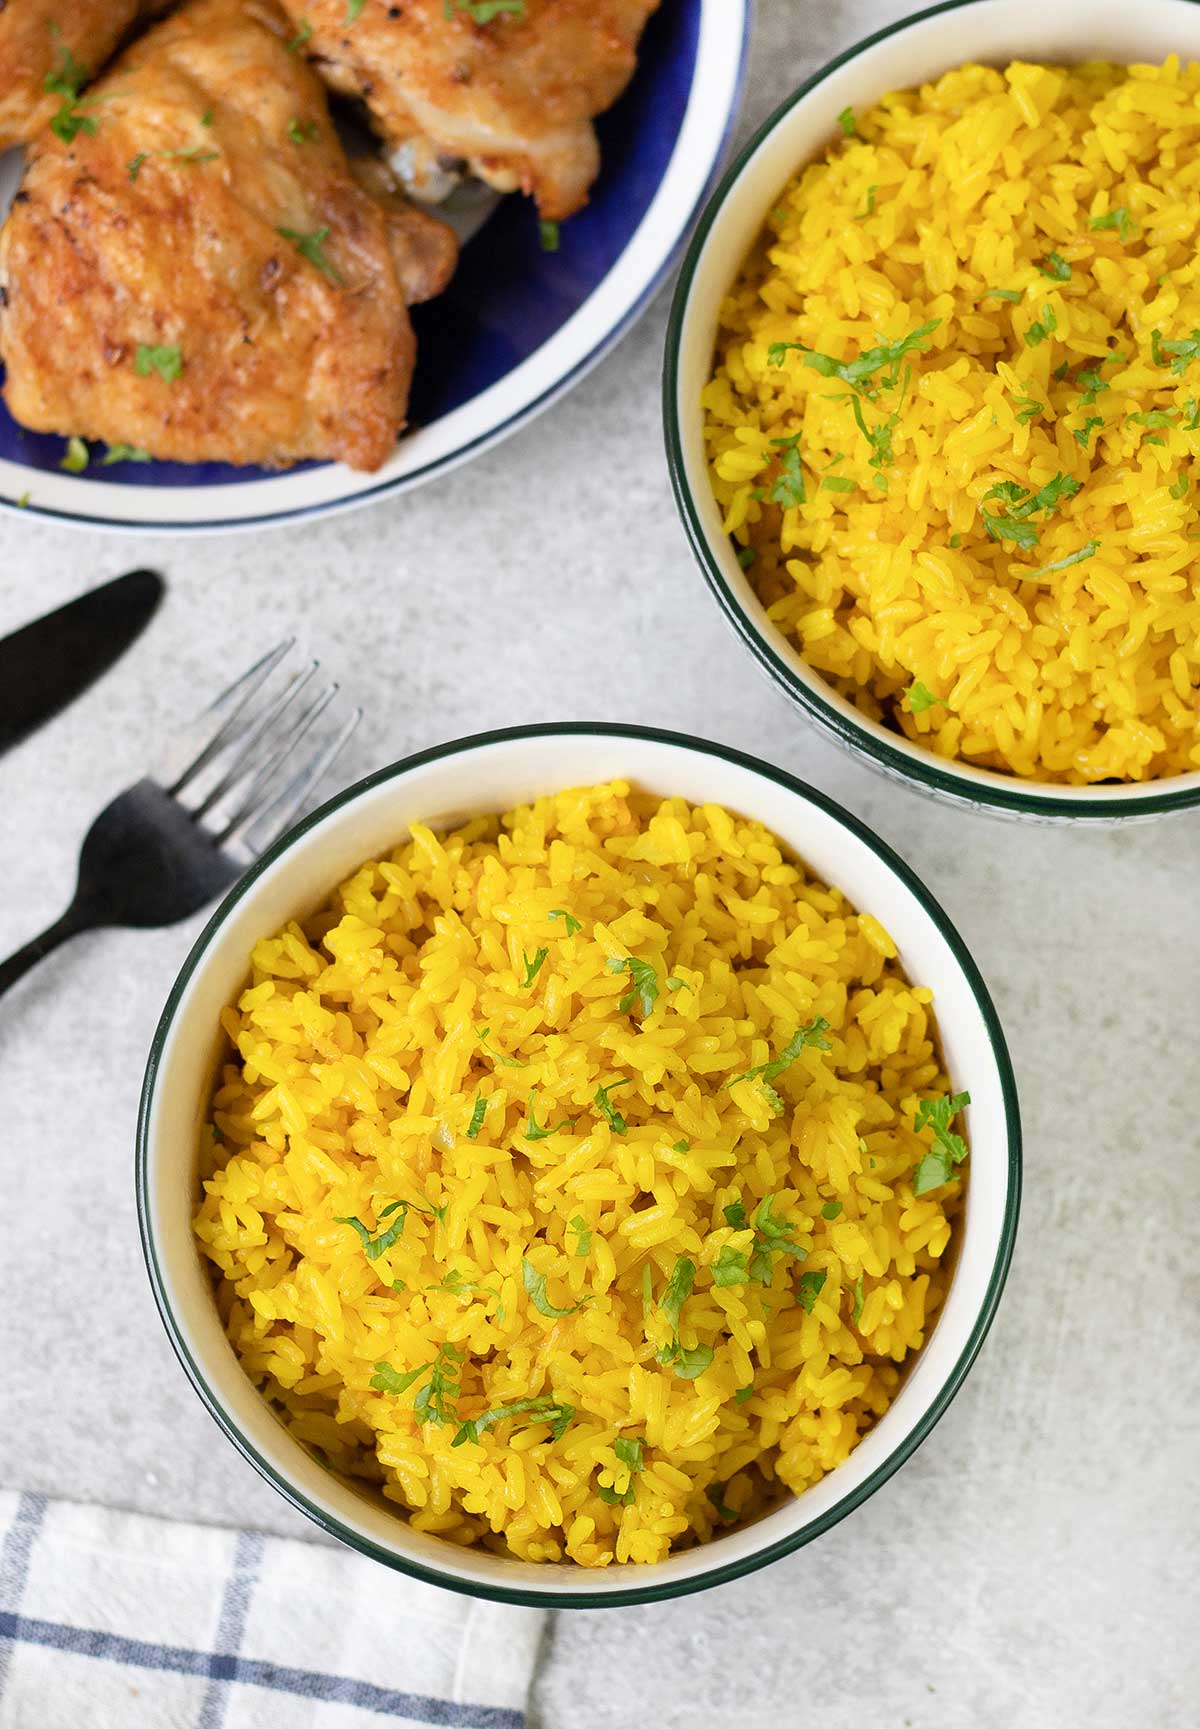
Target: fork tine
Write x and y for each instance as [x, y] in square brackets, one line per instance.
[231, 704]
[259, 831]
[261, 736]
[258, 793]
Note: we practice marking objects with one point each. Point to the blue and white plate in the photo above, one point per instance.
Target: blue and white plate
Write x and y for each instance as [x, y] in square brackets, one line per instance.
[516, 327]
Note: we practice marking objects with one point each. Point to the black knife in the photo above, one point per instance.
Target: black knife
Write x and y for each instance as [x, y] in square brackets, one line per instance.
[50, 662]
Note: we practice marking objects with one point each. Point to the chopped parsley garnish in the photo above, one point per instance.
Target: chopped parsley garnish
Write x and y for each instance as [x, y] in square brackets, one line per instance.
[535, 1288]
[629, 1451]
[549, 236]
[311, 247]
[1014, 526]
[789, 489]
[674, 984]
[716, 1495]
[856, 1311]
[135, 163]
[1045, 327]
[583, 1237]
[353, 8]
[846, 122]
[1179, 352]
[75, 458]
[430, 1406]
[1181, 487]
[124, 453]
[196, 154]
[838, 483]
[678, 1290]
[165, 359]
[1003, 294]
[743, 1393]
[746, 556]
[921, 699]
[206, 119]
[1030, 408]
[862, 372]
[509, 1062]
[1071, 558]
[831, 1210]
[532, 967]
[767, 1072]
[300, 131]
[1056, 267]
[612, 1117]
[615, 1497]
[477, 1116]
[387, 1380]
[870, 209]
[809, 1289]
[688, 1364]
[772, 1236]
[541, 1410]
[682, 1147]
[1082, 434]
[1118, 219]
[731, 1267]
[483, 11]
[533, 1132]
[373, 1247]
[735, 1215]
[301, 37]
[1156, 417]
[937, 1167]
[643, 984]
[570, 925]
[67, 79]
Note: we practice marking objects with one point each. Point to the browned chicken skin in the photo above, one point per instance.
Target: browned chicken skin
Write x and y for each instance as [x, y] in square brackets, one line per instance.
[203, 278]
[66, 44]
[513, 97]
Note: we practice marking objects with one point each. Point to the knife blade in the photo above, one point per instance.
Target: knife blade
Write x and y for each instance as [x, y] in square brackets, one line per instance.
[47, 664]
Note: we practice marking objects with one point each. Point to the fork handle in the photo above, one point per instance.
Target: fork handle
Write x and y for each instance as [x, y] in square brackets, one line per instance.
[75, 919]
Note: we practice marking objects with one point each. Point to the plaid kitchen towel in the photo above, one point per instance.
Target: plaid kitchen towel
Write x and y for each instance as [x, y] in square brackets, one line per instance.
[115, 1621]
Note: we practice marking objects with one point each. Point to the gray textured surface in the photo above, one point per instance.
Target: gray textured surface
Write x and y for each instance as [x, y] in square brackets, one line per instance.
[1036, 1563]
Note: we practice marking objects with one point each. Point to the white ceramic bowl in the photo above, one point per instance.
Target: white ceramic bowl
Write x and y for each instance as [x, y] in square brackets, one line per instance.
[492, 773]
[908, 53]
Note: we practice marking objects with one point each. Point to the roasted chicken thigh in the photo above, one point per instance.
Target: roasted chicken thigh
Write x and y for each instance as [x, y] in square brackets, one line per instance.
[48, 52]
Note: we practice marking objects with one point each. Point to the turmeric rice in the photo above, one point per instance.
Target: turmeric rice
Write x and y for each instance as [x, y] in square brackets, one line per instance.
[955, 412]
[581, 1180]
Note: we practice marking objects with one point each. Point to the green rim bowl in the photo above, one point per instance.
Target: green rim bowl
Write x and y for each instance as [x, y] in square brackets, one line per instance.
[908, 53]
[492, 773]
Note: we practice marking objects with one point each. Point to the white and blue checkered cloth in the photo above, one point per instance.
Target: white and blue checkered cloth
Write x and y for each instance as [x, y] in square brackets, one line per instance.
[116, 1621]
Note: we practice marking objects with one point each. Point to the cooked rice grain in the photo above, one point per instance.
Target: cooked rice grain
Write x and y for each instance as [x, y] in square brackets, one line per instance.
[986, 180]
[356, 1067]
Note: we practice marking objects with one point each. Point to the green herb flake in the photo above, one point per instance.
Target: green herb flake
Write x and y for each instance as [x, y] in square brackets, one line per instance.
[772, 1236]
[689, 1365]
[746, 556]
[534, 1132]
[682, 1147]
[678, 1290]
[856, 1311]
[532, 967]
[124, 453]
[477, 1116]
[831, 1210]
[301, 37]
[937, 1167]
[353, 8]
[612, 1117]
[135, 163]
[302, 131]
[535, 1289]
[643, 981]
[499, 1056]
[75, 459]
[865, 215]
[583, 1237]
[743, 1393]
[615, 1497]
[484, 11]
[1179, 354]
[373, 1247]
[628, 1449]
[735, 1215]
[431, 1403]
[1093, 546]
[838, 483]
[846, 122]
[549, 236]
[1082, 434]
[164, 358]
[810, 1035]
[1056, 267]
[715, 1493]
[884, 358]
[920, 699]
[536, 1410]
[311, 247]
[388, 1380]
[570, 925]
[1118, 219]
[731, 1267]
[1155, 417]
[1003, 294]
[192, 156]
[1043, 329]
[789, 489]
[1181, 487]
[1030, 408]
[67, 79]
[809, 1289]
[1014, 525]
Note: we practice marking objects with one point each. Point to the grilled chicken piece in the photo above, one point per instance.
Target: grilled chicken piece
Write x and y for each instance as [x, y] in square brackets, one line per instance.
[513, 97]
[202, 277]
[48, 51]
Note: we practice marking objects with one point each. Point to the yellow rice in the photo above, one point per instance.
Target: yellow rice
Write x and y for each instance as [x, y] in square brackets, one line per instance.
[968, 643]
[354, 1072]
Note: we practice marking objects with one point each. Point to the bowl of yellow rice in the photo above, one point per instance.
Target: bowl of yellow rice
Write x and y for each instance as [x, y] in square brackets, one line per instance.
[578, 1165]
[932, 403]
